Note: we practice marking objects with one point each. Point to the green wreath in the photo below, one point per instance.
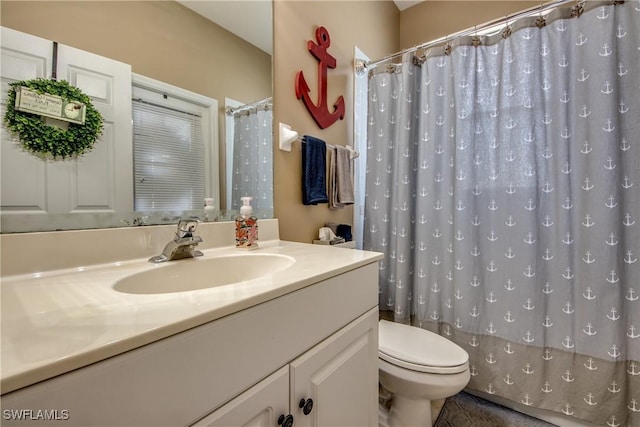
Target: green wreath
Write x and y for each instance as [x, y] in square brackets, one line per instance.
[51, 142]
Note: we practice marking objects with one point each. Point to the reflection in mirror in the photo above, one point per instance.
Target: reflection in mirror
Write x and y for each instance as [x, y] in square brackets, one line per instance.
[168, 41]
[172, 147]
[251, 165]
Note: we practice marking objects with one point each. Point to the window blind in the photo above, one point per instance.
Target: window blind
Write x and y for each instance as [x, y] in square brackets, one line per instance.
[168, 158]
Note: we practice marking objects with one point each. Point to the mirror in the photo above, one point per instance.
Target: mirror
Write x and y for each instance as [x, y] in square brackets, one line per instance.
[175, 42]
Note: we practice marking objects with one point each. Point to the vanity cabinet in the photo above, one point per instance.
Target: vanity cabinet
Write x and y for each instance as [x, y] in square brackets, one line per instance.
[260, 406]
[329, 385]
[318, 341]
[340, 375]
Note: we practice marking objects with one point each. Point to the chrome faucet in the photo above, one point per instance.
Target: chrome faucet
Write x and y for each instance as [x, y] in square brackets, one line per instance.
[183, 246]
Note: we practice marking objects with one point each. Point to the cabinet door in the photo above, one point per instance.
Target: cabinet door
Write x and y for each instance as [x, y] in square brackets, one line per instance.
[340, 375]
[261, 405]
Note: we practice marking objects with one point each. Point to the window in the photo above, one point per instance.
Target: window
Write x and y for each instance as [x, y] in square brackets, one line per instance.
[173, 148]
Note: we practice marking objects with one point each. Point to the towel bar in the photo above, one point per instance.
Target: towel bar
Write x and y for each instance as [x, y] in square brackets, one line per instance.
[288, 136]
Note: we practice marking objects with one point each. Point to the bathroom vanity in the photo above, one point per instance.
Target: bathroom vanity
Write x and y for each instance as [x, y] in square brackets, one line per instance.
[298, 344]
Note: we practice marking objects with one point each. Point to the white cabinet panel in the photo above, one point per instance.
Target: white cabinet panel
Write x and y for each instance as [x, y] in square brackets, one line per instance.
[340, 375]
[260, 406]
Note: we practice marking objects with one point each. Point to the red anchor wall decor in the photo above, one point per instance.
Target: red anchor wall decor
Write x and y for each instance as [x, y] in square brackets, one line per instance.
[320, 112]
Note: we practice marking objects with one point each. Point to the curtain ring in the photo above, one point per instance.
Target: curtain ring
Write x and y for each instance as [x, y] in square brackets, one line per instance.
[541, 21]
[475, 40]
[447, 49]
[418, 60]
[577, 10]
[447, 46]
[506, 33]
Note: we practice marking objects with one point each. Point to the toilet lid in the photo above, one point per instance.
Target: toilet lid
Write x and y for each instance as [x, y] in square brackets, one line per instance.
[419, 350]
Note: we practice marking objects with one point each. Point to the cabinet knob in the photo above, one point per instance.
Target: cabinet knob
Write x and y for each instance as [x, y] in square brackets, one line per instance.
[285, 420]
[306, 405]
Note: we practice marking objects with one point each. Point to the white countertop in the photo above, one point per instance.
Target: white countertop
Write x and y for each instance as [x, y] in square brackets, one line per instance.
[61, 320]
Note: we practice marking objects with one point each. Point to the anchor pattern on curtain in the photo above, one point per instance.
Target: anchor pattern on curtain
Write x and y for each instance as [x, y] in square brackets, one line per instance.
[253, 160]
[502, 185]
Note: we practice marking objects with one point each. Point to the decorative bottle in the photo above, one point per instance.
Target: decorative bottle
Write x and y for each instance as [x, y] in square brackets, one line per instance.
[246, 226]
[209, 210]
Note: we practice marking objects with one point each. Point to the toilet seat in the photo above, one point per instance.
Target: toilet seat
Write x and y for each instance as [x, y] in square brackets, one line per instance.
[420, 350]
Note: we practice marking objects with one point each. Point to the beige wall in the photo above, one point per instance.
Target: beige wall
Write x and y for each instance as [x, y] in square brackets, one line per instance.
[160, 39]
[433, 19]
[370, 25]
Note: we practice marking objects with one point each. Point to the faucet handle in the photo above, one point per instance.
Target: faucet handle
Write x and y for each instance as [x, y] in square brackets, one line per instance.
[186, 227]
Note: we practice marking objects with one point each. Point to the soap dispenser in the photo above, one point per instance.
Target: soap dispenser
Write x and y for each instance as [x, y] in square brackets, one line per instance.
[246, 226]
[210, 213]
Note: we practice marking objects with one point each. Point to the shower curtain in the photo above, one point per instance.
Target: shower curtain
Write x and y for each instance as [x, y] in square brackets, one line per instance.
[253, 159]
[502, 185]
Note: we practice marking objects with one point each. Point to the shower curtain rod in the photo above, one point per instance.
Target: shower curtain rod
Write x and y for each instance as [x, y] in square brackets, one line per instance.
[363, 65]
[231, 110]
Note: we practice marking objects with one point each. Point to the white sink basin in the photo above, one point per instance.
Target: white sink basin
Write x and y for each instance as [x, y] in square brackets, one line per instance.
[202, 273]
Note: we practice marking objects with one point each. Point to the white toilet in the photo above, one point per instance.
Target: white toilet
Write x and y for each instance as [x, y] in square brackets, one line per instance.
[417, 366]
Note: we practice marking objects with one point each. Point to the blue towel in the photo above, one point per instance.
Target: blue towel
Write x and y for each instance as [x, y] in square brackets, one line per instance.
[344, 231]
[314, 187]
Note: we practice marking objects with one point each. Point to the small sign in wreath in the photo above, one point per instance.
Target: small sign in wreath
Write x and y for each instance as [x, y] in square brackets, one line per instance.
[51, 141]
